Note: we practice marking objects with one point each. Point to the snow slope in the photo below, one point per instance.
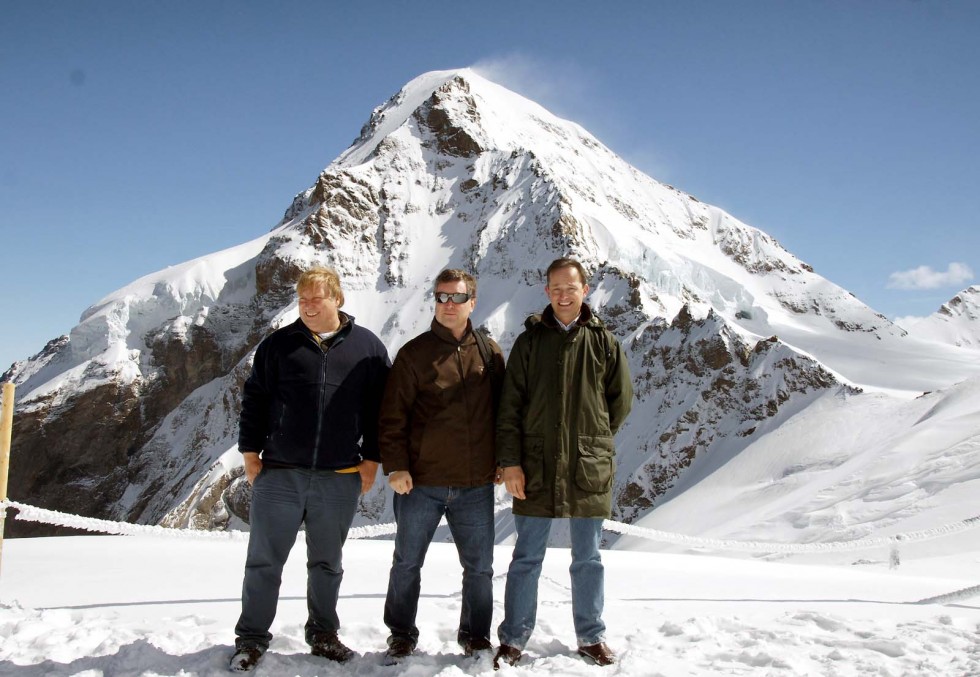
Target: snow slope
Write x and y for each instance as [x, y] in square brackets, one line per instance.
[847, 466]
[156, 607]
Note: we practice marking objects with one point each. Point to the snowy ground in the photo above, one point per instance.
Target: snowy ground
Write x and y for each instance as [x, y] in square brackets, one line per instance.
[110, 605]
[884, 470]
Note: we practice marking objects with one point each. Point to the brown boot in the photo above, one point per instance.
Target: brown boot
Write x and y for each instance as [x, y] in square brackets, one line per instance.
[600, 654]
[508, 654]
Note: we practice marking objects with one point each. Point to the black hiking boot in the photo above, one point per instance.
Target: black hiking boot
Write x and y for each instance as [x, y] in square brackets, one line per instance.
[476, 646]
[328, 645]
[245, 659]
[398, 648]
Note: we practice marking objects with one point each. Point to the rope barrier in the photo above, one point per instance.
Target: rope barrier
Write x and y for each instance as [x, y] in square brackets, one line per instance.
[31, 513]
[791, 548]
[950, 597]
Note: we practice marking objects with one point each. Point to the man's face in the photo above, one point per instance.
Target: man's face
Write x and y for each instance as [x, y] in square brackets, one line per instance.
[318, 310]
[453, 316]
[567, 291]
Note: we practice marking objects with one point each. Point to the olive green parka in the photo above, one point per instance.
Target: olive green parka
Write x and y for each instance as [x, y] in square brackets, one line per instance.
[565, 396]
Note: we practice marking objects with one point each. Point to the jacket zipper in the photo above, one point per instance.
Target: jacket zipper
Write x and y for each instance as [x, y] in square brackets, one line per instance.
[466, 407]
[319, 402]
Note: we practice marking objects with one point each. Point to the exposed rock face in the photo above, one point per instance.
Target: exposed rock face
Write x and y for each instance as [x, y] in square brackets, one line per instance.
[222, 501]
[437, 114]
[82, 450]
[706, 392]
[77, 453]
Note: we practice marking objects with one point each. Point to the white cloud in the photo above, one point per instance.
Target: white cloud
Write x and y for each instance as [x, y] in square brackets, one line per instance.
[925, 277]
[908, 321]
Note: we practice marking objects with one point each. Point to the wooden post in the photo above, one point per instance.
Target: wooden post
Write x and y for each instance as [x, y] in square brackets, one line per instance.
[6, 429]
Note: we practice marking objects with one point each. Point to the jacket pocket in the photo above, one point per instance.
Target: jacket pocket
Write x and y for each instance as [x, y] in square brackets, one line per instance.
[595, 466]
[533, 463]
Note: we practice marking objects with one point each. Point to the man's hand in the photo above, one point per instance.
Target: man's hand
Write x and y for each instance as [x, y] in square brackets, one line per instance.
[253, 465]
[498, 475]
[401, 481]
[514, 481]
[368, 471]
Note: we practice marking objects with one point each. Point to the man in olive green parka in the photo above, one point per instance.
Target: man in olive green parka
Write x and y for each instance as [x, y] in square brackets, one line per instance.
[567, 391]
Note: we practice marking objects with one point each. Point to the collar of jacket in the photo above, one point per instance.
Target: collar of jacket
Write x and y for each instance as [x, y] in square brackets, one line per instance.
[446, 335]
[346, 324]
[586, 318]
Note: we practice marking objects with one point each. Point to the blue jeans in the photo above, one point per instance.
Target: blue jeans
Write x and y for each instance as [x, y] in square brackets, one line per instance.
[469, 511]
[282, 499]
[587, 573]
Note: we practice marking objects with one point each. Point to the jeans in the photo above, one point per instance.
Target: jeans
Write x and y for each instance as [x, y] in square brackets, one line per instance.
[587, 573]
[282, 499]
[469, 511]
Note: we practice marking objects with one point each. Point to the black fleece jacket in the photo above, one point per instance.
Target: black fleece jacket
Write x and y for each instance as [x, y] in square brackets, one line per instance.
[312, 405]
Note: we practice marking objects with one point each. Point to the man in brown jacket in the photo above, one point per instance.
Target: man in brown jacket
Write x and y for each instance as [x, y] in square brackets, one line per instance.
[436, 435]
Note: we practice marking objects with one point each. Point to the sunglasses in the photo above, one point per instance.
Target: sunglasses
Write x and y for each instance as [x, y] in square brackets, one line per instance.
[459, 297]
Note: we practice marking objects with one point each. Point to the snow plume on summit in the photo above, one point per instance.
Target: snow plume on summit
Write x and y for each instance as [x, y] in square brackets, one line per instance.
[728, 334]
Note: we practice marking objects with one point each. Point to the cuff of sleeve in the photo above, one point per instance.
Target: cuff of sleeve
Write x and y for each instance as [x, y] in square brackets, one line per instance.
[389, 467]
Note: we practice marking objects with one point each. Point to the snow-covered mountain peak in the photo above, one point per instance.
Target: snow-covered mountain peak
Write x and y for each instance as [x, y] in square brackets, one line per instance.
[457, 170]
[957, 322]
[727, 333]
[966, 304]
[497, 184]
[461, 101]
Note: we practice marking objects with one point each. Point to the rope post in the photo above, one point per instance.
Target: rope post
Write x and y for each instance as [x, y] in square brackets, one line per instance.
[6, 429]
[894, 557]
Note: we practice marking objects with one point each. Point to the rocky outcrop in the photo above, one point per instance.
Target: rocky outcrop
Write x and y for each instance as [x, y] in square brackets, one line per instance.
[83, 448]
[72, 456]
[219, 501]
[441, 115]
[704, 390]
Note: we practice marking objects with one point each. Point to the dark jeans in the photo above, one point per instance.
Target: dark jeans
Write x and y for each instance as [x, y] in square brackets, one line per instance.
[469, 512]
[282, 499]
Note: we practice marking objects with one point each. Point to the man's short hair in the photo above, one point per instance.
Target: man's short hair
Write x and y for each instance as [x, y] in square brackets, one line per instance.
[567, 263]
[327, 277]
[457, 275]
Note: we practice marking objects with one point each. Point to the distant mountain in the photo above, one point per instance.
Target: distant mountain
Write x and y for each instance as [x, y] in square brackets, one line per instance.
[957, 321]
[134, 414]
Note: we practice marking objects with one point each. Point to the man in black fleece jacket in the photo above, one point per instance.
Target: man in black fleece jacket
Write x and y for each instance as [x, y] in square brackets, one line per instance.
[309, 441]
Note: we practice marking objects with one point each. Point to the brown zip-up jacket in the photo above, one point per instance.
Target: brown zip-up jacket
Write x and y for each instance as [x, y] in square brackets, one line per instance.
[437, 418]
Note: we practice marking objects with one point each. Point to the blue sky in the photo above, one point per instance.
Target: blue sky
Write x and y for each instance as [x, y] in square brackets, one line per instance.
[137, 135]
